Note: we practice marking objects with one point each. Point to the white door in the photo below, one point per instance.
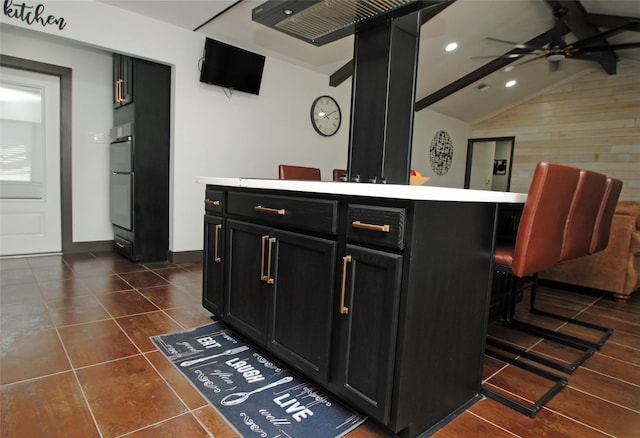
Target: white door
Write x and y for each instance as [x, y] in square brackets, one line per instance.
[30, 218]
[481, 177]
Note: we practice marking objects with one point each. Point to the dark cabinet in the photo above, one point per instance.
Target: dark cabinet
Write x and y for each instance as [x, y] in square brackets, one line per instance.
[122, 80]
[279, 291]
[213, 269]
[143, 125]
[367, 329]
[381, 301]
[246, 297]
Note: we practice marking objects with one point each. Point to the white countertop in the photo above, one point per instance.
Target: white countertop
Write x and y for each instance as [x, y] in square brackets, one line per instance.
[393, 191]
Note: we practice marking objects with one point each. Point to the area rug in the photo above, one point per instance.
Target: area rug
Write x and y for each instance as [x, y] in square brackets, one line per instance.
[257, 395]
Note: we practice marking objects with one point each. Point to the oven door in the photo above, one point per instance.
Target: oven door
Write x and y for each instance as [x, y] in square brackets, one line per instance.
[121, 212]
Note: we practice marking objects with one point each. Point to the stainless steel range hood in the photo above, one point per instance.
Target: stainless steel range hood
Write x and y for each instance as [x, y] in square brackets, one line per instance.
[322, 21]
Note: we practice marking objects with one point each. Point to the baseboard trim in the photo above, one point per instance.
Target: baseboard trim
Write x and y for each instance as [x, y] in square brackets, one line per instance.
[185, 257]
[97, 246]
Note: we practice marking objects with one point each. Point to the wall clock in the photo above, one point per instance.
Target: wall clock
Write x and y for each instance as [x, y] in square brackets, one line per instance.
[325, 115]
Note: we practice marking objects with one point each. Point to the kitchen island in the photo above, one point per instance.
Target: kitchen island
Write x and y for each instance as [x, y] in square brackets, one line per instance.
[378, 293]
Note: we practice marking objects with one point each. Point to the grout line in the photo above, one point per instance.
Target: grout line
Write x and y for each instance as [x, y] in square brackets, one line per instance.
[75, 375]
[586, 367]
[493, 424]
[604, 399]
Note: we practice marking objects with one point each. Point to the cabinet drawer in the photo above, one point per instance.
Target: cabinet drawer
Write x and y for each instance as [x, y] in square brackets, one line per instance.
[305, 214]
[213, 201]
[123, 247]
[382, 226]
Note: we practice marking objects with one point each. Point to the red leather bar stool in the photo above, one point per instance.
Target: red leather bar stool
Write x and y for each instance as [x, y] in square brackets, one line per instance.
[576, 241]
[593, 241]
[537, 246]
[286, 171]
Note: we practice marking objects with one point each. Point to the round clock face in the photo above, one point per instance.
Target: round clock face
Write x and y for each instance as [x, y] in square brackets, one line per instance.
[325, 115]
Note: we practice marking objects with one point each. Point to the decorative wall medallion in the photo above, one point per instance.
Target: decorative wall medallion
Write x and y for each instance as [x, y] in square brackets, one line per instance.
[441, 153]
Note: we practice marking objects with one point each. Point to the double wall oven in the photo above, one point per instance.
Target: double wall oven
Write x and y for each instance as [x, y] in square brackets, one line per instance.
[121, 178]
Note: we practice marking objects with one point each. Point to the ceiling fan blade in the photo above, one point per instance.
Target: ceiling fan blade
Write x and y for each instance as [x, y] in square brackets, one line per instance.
[529, 60]
[507, 56]
[584, 57]
[514, 44]
[610, 47]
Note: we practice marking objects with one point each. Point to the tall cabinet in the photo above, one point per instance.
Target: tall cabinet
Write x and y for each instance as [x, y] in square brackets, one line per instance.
[382, 302]
[142, 100]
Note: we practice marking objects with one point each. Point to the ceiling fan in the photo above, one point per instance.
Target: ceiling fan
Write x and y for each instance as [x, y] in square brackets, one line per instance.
[558, 50]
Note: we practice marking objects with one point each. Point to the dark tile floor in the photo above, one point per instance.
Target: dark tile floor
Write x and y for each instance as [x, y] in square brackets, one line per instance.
[76, 360]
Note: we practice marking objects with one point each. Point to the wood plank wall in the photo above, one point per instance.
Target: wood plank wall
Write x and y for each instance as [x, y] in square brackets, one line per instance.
[592, 123]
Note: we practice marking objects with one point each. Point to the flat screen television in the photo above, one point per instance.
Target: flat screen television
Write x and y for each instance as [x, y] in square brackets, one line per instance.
[231, 67]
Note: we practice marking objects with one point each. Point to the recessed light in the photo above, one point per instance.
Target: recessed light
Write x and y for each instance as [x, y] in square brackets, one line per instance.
[509, 68]
[482, 87]
[287, 11]
[510, 83]
[451, 47]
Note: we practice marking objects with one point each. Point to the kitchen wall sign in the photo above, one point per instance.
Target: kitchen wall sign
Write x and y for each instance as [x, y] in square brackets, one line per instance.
[32, 14]
[441, 153]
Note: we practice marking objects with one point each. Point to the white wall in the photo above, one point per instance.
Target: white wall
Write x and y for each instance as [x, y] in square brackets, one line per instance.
[211, 135]
[426, 124]
[91, 114]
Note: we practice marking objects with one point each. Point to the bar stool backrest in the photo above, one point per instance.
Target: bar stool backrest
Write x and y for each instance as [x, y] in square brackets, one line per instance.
[540, 232]
[339, 173]
[581, 219]
[602, 226]
[286, 171]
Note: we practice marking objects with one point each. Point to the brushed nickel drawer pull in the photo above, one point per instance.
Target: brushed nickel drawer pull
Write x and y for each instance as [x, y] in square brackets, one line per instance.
[216, 257]
[345, 261]
[209, 201]
[383, 228]
[280, 211]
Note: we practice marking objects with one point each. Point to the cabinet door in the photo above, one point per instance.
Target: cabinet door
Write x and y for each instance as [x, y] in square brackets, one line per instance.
[304, 278]
[367, 329]
[247, 297]
[117, 75]
[213, 262]
[122, 80]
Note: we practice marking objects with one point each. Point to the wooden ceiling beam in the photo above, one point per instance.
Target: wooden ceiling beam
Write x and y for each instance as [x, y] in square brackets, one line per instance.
[481, 72]
[576, 19]
[614, 21]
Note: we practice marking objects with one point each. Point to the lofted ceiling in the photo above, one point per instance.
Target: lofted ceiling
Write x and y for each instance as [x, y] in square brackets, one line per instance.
[448, 82]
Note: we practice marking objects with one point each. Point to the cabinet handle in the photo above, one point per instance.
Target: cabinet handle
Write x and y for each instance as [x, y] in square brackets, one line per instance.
[216, 258]
[280, 211]
[209, 201]
[264, 241]
[119, 91]
[270, 280]
[345, 261]
[383, 228]
[119, 245]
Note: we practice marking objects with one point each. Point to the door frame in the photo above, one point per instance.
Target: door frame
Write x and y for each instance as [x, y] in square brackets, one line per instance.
[64, 74]
[470, 144]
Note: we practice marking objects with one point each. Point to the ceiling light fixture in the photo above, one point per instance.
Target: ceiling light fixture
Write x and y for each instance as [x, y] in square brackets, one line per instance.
[510, 83]
[508, 68]
[451, 47]
[287, 11]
